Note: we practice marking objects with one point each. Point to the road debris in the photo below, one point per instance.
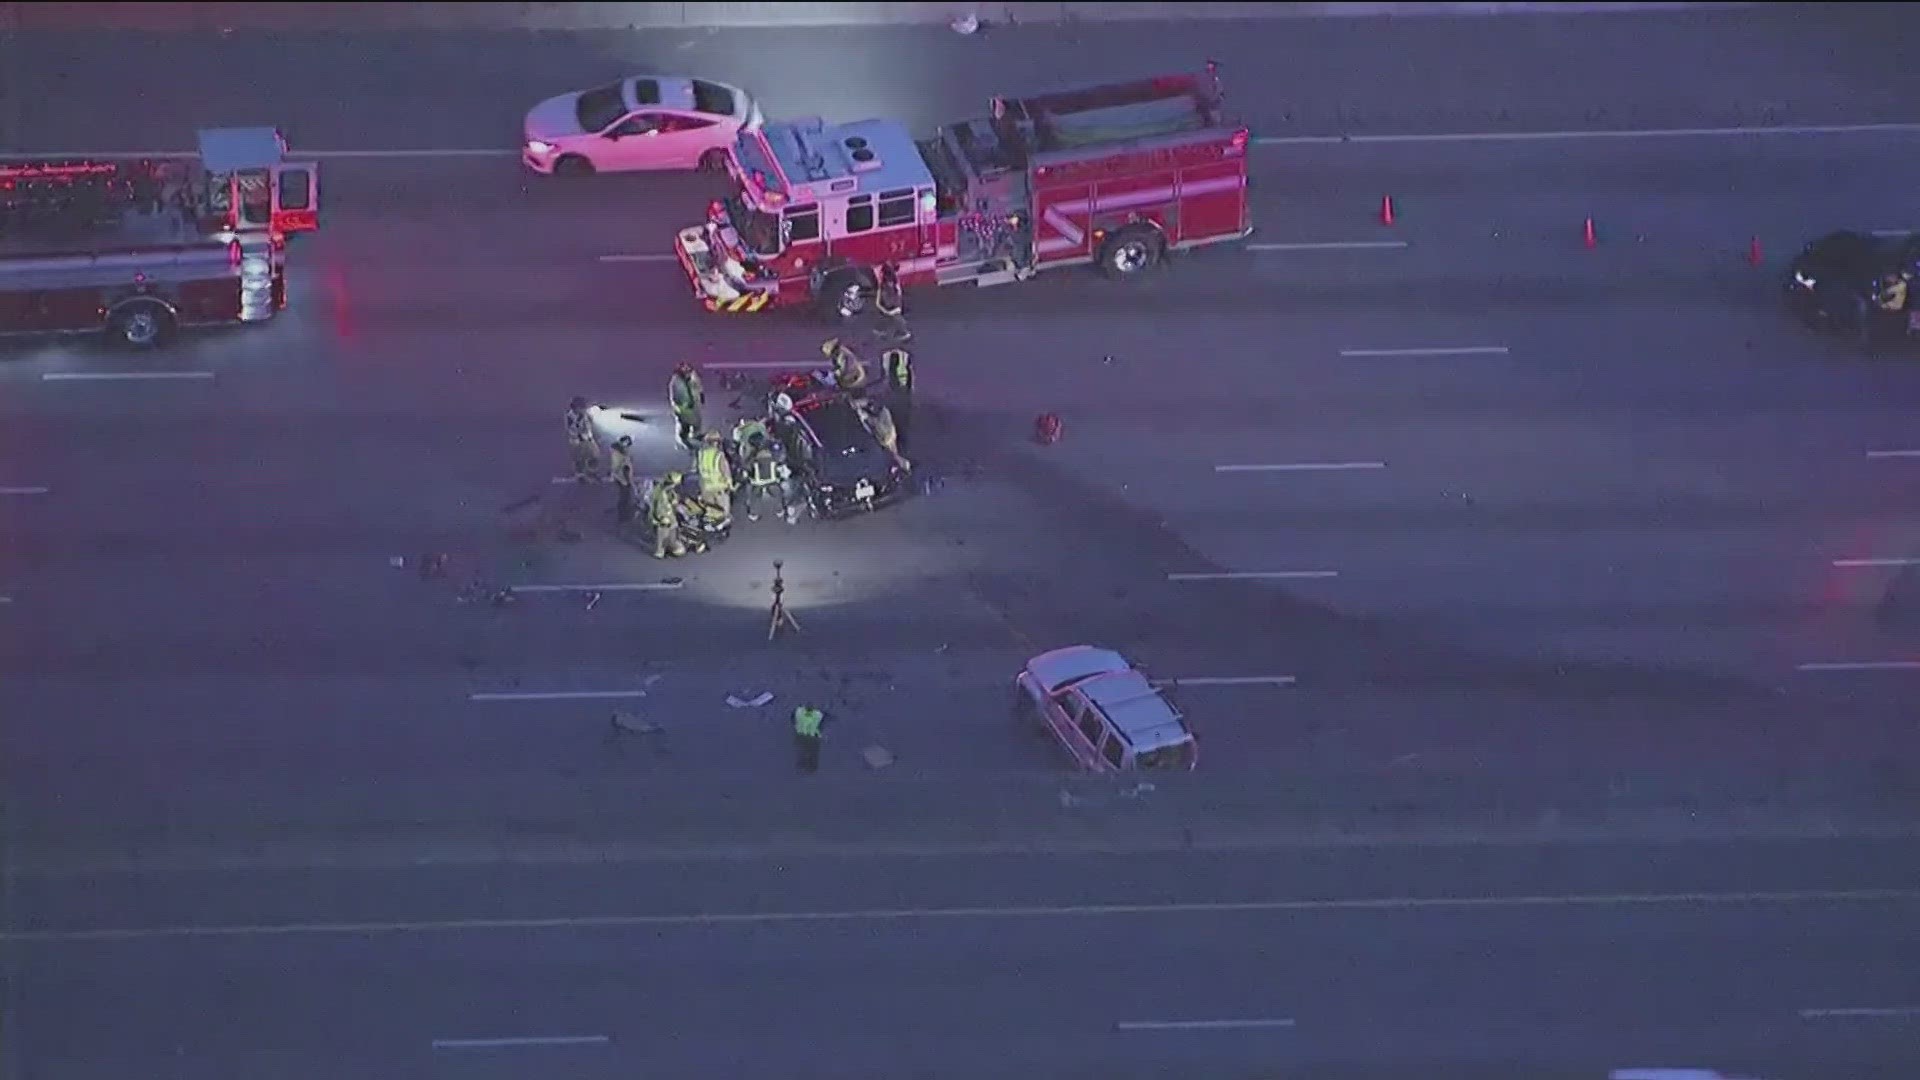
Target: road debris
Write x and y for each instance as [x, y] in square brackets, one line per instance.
[877, 757]
[754, 702]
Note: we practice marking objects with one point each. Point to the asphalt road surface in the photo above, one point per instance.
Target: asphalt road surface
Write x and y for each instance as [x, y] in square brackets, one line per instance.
[1515, 961]
[1595, 509]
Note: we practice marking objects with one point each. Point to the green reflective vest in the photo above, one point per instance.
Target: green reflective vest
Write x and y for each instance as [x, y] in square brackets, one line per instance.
[806, 721]
[899, 369]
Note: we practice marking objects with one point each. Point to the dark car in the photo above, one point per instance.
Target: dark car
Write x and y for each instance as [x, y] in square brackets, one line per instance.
[841, 467]
[1831, 277]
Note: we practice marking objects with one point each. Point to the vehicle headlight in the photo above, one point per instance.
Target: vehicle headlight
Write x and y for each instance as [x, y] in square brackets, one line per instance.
[254, 270]
[1802, 280]
[539, 148]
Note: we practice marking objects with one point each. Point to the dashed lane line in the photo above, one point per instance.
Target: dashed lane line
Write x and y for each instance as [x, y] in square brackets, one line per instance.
[634, 586]
[1391, 905]
[512, 1041]
[1444, 350]
[23, 491]
[1202, 1025]
[124, 376]
[1857, 564]
[1333, 245]
[1877, 454]
[1306, 466]
[559, 695]
[1258, 575]
[1861, 665]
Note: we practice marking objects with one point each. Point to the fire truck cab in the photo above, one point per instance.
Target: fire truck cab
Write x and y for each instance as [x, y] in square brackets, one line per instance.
[140, 249]
[1117, 176]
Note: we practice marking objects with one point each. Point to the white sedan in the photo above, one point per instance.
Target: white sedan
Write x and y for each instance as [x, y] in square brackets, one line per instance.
[642, 122]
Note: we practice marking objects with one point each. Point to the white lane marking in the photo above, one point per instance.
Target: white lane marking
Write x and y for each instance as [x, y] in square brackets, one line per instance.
[636, 586]
[1444, 350]
[1393, 904]
[1888, 234]
[1854, 564]
[668, 257]
[1257, 575]
[1228, 680]
[23, 491]
[1305, 466]
[1858, 1013]
[560, 695]
[1199, 1025]
[1567, 136]
[122, 376]
[523, 1040]
[757, 365]
[6, 599]
[1893, 453]
[1339, 245]
[1864, 665]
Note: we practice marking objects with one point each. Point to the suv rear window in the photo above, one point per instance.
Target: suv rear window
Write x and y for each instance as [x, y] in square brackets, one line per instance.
[712, 98]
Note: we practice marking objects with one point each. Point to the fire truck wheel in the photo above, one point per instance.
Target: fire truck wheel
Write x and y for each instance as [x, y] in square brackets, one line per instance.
[573, 165]
[1130, 251]
[843, 295]
[713, 161]
[141, 324]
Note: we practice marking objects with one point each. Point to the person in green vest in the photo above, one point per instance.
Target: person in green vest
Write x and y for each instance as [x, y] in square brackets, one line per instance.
[806, 736]
[687, 397]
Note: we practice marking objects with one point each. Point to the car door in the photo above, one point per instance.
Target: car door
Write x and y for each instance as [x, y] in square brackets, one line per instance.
[686, 136]
[633, 143]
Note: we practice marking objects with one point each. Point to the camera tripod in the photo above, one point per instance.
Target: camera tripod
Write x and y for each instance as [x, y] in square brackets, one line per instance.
[779, 616]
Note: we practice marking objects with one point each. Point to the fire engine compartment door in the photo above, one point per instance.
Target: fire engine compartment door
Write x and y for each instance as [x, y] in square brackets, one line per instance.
[296, 196]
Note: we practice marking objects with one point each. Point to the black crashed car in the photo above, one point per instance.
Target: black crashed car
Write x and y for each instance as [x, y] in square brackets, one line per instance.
[1831, 277]
[841, 468]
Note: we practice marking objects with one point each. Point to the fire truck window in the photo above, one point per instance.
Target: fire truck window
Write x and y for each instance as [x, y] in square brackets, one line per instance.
[803, 224]
[859, 214]
[296, 189]
[256, 197]
[896, 212]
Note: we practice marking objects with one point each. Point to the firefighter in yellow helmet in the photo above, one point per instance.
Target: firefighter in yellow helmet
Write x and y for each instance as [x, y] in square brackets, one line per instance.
[880, 422]
[849, 373]
[716, 475]
[660, 514]
[897, 364]
[686, 397]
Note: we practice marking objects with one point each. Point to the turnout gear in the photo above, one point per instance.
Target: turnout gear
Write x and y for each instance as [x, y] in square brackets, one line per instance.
[661, 515]
[582, 441]
[747, 430]
[687, 397]
[849, 373]
[766, 478]
[1893, 293]
[620, 471]
[880, 422]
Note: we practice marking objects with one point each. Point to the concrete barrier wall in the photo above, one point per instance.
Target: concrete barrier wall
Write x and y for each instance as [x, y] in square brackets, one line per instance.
[187, 17]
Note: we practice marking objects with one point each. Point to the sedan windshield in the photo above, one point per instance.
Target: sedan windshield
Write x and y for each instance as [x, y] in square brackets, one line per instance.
[598, 109]
[759, 230]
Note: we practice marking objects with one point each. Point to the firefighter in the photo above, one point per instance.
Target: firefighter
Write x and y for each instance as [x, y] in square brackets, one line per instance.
[661, 515]
[581, 440]
[1888, 314]
[766, 479]
[806, 737]
[880, 422]
[620, 470]
[716, 477]
[897, 363]
[687, 397]
[745, 430]
[849, 373]
[889, 301]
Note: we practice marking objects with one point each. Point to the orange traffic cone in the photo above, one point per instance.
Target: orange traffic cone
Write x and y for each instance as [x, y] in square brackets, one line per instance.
[1589, 239]
[1386, 209]
[1753, 252]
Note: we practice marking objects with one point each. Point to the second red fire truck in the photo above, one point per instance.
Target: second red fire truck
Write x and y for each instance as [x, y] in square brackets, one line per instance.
[139, 249]
[1116, 176]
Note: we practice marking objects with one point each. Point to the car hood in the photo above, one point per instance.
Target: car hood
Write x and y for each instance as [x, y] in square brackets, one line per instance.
[840, 467]
[555, 118]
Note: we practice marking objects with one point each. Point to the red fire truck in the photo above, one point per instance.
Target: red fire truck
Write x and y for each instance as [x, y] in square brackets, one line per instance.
[1117, 176]
[142, 248]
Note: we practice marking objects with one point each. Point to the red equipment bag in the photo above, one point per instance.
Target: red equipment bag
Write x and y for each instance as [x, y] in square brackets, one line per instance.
[1046, 429]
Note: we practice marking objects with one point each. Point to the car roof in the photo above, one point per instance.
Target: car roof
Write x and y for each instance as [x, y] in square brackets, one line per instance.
[1136, 709]
[1060, 667]
[833, 422]
[666, 91]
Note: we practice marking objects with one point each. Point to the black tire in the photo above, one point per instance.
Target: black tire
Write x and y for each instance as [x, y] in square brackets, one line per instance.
[713, 161]
[141, 324]
[573, 165]
[844, 295]
[1131, 252]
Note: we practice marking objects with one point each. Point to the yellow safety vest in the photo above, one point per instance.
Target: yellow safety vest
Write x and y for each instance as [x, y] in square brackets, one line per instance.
[713, 469]
[662, 507]
[899, 368]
